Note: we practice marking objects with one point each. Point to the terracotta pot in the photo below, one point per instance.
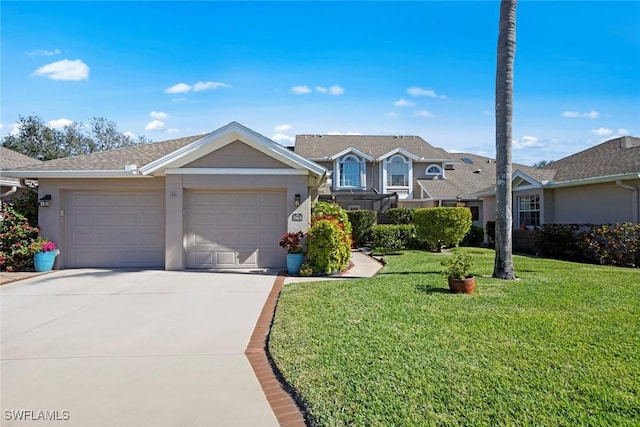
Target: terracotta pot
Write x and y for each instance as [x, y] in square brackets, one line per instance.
[462, 285]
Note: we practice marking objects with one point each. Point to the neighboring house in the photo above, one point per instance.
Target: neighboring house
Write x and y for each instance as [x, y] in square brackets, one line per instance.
[381, 172]
[9, 159]
[600, 185]
[220, 200]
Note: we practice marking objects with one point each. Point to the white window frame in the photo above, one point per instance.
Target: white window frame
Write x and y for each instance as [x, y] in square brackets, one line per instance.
[352, 159]
[526, 201]
[427, 173]
[386, 188]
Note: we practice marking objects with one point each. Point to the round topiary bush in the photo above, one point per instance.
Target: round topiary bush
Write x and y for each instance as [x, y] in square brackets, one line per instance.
[442, 227]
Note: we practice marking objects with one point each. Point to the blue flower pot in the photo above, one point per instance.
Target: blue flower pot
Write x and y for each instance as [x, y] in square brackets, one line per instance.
[43, 261]
[294, 262]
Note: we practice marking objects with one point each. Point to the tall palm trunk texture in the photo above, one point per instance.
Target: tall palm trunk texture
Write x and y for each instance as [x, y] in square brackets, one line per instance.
[503, 267]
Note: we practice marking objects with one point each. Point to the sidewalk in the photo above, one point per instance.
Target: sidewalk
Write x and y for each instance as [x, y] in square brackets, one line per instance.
[362, 266]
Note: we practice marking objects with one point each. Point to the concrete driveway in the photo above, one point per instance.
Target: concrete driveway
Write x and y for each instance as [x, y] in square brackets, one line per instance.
[131, 348]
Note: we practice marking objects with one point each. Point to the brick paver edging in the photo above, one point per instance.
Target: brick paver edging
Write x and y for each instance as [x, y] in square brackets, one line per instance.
[284, 407]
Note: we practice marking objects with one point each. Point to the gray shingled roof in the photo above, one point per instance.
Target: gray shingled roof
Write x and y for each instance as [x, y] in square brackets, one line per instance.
[316, 147]
[114, 160]
[467, 178]
[614, 157]
[10, 159]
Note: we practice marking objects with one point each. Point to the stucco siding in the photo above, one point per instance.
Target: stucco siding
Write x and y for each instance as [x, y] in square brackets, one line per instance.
[237, 155]
[598, 204]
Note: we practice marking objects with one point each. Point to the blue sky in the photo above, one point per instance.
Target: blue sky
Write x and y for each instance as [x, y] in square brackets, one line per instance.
[172, 69]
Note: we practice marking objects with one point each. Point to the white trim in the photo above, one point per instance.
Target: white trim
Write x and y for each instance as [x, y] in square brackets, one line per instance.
[363, 172]
[391, 188]
[595, 180]
[401, 151]
[351, 150]
[235, 171]
[440, 168]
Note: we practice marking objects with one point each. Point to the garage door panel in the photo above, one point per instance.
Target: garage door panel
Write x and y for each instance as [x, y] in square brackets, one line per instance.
[115, 229]
[235, 221]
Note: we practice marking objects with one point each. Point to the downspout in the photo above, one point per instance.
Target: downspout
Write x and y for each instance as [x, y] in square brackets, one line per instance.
[10, 192]
[634, 200]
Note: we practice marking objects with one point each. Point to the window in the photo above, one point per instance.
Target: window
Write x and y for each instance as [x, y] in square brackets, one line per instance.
[350, 169]
[475, 213]
[529, 210]
[433, 170]
[397, 172]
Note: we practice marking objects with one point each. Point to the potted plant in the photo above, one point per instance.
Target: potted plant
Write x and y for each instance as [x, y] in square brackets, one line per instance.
[292, 242]
[457, 268]
[44, 253]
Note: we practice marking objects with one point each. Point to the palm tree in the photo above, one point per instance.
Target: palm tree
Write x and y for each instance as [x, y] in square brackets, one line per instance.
[503, 267]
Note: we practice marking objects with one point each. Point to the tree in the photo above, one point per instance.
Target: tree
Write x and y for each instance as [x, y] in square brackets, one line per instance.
[542, 163]
[37, 139]
[503, 267]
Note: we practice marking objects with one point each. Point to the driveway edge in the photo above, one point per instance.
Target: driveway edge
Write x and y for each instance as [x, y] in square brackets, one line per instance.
[282, 404]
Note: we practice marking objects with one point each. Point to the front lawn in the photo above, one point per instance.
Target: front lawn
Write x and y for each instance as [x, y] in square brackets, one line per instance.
[560, 347]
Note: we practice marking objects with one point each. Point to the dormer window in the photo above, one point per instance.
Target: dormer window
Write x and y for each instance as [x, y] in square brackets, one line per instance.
[350, 172]
[398, 172]
[433, 170]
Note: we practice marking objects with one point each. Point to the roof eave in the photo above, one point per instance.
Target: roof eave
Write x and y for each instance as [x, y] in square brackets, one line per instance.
[594, 180]
[73, 174]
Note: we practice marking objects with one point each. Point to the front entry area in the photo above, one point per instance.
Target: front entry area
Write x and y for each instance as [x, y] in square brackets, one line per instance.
[235, 229]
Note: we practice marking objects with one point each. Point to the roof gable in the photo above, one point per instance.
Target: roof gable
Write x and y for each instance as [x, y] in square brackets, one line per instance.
[351, 150]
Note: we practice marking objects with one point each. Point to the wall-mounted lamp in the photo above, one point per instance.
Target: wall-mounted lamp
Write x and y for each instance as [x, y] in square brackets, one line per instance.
[296, 200]
[333, 198]
[44, 201]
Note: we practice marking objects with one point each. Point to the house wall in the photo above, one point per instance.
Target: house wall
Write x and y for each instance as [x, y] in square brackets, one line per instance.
[51, 219]
[236, 155]
[597, 204]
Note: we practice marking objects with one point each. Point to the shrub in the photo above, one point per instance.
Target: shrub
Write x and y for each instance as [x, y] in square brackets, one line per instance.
[393, 237]
[331, 211]
[27, 205]
[561, 241]
[400, 215]
[474, 237]
[490, 229]
[362, 221]
[16, 236]
[291, 241]
[329, 247]
[457, 266]
[441, 227]
[614, 245]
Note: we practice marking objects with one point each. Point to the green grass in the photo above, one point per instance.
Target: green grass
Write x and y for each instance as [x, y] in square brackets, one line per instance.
[559, 347]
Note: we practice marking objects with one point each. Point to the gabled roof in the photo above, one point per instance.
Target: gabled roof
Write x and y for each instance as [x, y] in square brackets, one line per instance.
[10, 159]
[351, 150]
[613, 158]
[156, 158]
[321, 147]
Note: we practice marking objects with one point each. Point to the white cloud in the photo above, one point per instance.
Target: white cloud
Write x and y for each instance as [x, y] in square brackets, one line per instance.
[300, 90]
[179, 88]
[154, 125]
[322, 89]
[15, 129]
[158, 115]
[343, 133]
[179, 100]
[602, 132]
[418, 91]
[623, 132]
[403, 103]
[129, 134]
[336, 90]
[283, 127]
[172, 130]
[528, 142]
[60, 123]
[283, 138]
[64, 70]
[423, 113]
[208, 86]
[1, 126]
[391, 114]
[44, 52]
[575, 114]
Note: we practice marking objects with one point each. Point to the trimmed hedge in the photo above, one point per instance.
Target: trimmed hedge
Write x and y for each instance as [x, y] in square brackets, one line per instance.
[605, 244]
[362, 222]
[442, 227]
[393, 237]
[400, 215]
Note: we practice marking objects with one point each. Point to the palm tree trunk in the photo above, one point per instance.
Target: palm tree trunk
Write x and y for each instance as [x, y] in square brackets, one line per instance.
[503, 267]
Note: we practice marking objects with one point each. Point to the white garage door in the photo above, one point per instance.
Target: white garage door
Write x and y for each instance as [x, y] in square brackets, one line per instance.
[235, 229]
[109, 229]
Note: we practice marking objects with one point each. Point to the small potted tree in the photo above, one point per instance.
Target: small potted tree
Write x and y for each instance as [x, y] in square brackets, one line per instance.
[292, 242]
[457, 268]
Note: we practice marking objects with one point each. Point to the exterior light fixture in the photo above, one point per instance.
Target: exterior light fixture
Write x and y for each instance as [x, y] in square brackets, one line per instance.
[44, 201]
[296, 200]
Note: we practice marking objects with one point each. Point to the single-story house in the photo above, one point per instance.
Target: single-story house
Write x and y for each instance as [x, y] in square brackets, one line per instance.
[379, 172]
[11, 186]
[600, 185]
[218, 200]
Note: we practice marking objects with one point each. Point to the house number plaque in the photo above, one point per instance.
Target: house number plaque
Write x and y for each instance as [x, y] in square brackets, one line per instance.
[297, 217]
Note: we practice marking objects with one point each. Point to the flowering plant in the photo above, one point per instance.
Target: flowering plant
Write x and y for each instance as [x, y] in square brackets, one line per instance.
[42, 245]
[292, 242]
